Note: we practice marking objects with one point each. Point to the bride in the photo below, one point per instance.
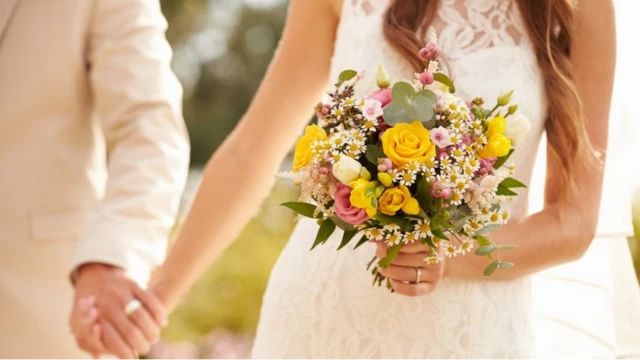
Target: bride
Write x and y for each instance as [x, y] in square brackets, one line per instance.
[559, 58]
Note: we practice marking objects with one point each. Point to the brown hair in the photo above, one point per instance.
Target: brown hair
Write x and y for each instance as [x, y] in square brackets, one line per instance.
[550, 26]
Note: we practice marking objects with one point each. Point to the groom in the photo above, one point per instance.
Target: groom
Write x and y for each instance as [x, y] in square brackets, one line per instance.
[93, 158]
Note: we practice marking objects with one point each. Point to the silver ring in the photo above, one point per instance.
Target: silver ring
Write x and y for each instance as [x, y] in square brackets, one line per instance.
[418, 275]
[132, 306]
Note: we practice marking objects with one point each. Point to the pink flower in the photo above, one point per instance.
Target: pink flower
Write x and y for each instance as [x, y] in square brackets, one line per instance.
[440, 137]
[439, 190]
[345, 210]
[426, 78]
[466, 139]
[372, 109]
[382, 95]
[424, 54]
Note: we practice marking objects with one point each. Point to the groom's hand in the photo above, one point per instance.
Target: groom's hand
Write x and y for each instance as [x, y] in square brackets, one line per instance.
[122, 335]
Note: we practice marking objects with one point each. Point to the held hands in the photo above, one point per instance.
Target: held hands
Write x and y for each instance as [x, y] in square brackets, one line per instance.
[409, 274]
[99, 321]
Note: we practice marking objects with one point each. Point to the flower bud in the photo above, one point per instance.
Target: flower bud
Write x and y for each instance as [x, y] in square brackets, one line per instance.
[382, 78]
[512, 109]
[426, 78]
[385, 179]
[504, 99]
[347, 170]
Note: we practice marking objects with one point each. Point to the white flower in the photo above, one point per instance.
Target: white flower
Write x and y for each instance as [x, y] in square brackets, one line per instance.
[411, 237]
[432, 260]
[374, 234]
[372, 109]
[405, 177]
[440, 137]
[466, 245]
[394, 239]
[489, 183]
[347, 170]
[422, 228]
[517, 128]
[451, 251]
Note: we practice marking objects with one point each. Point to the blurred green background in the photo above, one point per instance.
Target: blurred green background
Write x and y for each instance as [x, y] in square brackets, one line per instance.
[221, 51]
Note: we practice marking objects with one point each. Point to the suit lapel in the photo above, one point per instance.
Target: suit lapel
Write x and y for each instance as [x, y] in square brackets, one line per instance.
[7, 8]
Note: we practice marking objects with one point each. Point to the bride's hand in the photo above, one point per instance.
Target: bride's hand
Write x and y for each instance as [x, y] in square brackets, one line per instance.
[404, 270]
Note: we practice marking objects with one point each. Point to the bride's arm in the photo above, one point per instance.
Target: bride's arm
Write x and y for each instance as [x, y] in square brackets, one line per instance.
[562, 232]
[240, 173]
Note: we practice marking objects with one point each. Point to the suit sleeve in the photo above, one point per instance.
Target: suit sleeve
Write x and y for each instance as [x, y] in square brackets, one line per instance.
[137, 100]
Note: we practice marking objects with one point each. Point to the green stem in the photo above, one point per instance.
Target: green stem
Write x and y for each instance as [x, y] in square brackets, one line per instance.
[371, 262]
[492, 110]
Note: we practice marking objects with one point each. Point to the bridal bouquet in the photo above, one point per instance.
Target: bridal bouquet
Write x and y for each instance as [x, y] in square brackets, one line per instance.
[409, 162]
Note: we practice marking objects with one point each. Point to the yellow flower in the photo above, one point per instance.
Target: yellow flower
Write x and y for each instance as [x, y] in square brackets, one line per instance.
[303, 155]
[363, 196]
[497, 146]
[396, 199]
[497, 125]
[405, 143]
[385, 179]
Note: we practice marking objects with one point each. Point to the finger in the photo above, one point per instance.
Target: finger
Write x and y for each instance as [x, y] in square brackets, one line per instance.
[416, 247]
[153, 305]
[114, 343]
[91, 316]
[412, 290]
[128, 330]
[412, 260]
[146, 324]
[400, 273]
[85, 303]
[96, 340]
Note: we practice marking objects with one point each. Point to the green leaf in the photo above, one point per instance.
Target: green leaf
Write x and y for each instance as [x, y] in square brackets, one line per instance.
[373, 153]
[486, 250]
[362, 240]
[388, 220]
[435, 229]
[444, 223]
[429, 95]
[346, 76]
[482, 241]
[507, 247]
[403, 94]
[346, 238]
[301, 208]
[502, 160]
[392, 254]
[444, 79]
[393, 114]
[326, 229]
[505, 264]
[421, 109]
[342, 225]
[428, 241]
[512, 183]
[487, 229]
[478, 112]
[424, 195]
[504, 191]
[491, 268]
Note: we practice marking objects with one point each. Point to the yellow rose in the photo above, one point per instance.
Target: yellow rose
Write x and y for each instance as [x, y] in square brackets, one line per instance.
[363, 196]
[396, 199]
[497, 125]
[404, 143]
[302, 155]
[498, 146]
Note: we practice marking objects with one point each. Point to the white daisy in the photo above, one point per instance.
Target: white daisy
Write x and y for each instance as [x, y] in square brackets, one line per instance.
[451, 251]
[374, 234]
[369, 125]
[411, 237]
[422, 228]
[466, 245]
[394, 238]
[432, 259]
[405, 177]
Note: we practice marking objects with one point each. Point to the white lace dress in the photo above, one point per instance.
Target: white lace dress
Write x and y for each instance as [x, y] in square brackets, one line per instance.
[320, 303]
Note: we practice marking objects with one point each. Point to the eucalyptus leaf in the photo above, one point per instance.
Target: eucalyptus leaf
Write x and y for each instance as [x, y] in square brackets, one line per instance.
[491, 268]
[482, 241]
[444, 79]
[373, 153]
[444, 223]
[431, 123]
[507, 247]
[362, 240]
[326, 229]
[421, 109]
[393, 114]
[403, 94]
[495, 207]
[505, 264]
[505, 191]
[486, 250]
[392, 254]
[487, 229]
[429, 95]
[502, 160]
[512, 183]
[301, 208]
[346, 76]
[346, 238]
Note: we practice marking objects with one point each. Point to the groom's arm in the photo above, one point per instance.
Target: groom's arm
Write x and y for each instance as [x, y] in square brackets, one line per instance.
[137, 100]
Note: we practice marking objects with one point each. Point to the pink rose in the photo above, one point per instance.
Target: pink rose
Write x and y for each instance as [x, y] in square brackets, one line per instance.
[382, 95]
[345, 210]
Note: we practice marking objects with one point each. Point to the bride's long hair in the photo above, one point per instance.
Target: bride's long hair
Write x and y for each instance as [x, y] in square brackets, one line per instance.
[550, 26]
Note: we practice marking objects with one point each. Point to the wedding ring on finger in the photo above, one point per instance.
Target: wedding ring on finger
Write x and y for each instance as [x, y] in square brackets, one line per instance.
[418, 275]
[132, 306]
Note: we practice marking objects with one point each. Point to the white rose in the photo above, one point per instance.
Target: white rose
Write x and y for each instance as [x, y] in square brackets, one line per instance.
[347, 170]
[517, 127]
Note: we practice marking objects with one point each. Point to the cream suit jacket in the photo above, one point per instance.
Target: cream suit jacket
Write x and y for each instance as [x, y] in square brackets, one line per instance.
[93, 156]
